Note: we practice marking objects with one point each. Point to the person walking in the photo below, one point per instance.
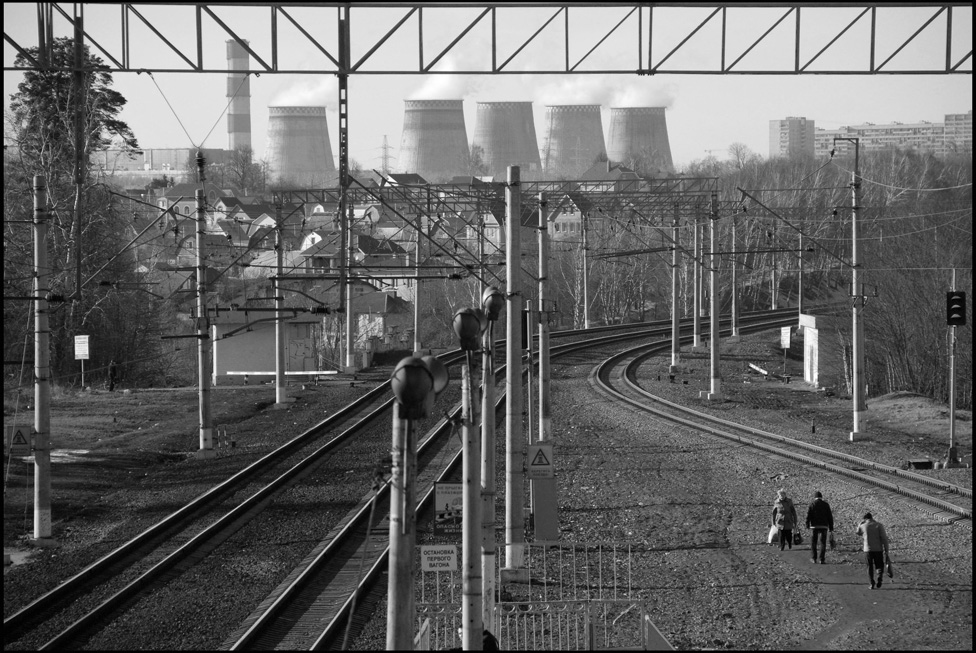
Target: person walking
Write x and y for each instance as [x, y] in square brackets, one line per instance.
[784, 518]
[821, 520]
[112, 375]
[875, 547]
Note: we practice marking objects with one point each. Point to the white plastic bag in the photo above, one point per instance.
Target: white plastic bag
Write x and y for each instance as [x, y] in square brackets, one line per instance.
[773, 537]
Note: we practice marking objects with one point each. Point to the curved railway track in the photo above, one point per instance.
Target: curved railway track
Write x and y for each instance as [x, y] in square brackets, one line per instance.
[103, 591]
[618, 378]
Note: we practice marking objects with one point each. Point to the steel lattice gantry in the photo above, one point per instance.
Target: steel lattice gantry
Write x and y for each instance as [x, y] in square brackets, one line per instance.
[643, 38]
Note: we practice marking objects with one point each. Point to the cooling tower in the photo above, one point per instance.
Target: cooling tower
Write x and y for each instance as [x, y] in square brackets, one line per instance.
[574, 139]
[299, 150]
[434, 142]
[639, 135]
[238, 97]
[506, 135]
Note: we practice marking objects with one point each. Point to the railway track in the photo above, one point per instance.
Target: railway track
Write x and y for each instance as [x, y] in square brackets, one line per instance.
[618, 378]
[102, 592]
[309, 613]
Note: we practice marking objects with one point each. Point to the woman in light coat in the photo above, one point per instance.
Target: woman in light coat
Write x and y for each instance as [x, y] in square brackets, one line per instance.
[784, 519]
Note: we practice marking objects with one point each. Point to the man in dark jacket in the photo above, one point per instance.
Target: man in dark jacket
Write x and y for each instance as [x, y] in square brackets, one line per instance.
[821, 520]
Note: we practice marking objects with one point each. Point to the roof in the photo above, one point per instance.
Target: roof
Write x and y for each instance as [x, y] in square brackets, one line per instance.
[405, 179]
[378, 302]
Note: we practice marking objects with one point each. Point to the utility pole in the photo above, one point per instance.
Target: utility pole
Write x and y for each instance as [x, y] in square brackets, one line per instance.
[280, 396]
[955, 315]
[403, 537]
[42, 369]
[468, 325]
[857, 302]
[799, 294]
[735, 286]
[586, 273]
[78, 85]
[716, 374]
[544, 500]
[675, 263]
[204, 342]
[514, 444]
[696, 303]
[345, 206]
[492, 301]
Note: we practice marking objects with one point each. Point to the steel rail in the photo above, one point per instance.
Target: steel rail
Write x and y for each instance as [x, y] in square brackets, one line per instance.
[600, 379]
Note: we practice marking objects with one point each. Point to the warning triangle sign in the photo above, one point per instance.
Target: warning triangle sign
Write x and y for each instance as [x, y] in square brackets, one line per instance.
[540, 459]
[20, 438]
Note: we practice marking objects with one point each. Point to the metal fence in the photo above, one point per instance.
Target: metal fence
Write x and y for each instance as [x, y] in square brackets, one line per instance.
[570, 596]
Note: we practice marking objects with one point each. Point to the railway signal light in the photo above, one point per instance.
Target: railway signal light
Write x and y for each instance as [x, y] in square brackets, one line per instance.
[319, 309]
[469, 324]
[955, 308]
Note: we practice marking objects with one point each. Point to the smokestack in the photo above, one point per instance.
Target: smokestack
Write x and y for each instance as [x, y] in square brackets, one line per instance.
[238, 96]
[299, 150]
[574, 139]
[506, 135]
[434, 143]
[639, 134]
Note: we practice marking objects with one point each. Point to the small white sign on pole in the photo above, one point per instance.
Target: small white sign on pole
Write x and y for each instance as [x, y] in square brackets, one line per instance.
[81, 348]
[19, 440]
[540, 461]
[785, 337]
[439, 557]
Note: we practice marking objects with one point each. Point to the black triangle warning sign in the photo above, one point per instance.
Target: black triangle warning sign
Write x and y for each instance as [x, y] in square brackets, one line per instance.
[19, 439]
[540, 459]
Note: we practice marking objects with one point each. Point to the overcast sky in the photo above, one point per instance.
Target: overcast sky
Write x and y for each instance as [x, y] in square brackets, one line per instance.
[706, 113]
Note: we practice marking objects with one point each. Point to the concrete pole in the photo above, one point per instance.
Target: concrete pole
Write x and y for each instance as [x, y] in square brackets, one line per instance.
[799, 295]
[472, 617]
[586, 274]
[416, 299]
[675, 305]
[203, 328]
[716, 374]
[773, 288]
[417, 344]
[42, 369]
[735, 285]
[400, 606]
[514, 440]
[488, 555]
[280, 397]
[80, 159]
[858, 305]
[350, 318]
[696, 303]
[544, 498]
[952, 458]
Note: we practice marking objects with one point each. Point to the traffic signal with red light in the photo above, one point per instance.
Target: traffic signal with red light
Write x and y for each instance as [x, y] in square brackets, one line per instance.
[955, 308]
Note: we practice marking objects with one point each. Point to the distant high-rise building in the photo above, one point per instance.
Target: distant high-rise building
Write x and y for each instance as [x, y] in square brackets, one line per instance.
[791, 137]
[959, 132]
[955, 135]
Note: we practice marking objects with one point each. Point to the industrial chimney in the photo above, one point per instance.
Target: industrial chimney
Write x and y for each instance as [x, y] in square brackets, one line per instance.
[238, 97]
[639, 137]
[434, 142]
[574, 139]
[506, 135]
[299, 150]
